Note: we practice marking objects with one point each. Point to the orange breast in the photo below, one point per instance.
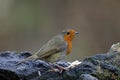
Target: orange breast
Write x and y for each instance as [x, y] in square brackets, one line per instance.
[69, 47]
[69, 44]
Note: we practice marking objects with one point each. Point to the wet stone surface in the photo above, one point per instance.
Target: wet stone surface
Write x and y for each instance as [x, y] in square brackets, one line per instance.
[98, 67]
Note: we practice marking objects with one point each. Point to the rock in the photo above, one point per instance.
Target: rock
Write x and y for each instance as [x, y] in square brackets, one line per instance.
[98, 67]
[87, 77]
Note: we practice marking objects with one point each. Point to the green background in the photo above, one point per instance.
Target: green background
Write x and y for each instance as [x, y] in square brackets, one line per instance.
[25, 25]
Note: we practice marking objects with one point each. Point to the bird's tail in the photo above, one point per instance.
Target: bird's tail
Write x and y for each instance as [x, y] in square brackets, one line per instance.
[31, 57]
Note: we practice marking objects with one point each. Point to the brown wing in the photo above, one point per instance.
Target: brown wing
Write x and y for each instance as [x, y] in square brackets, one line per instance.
[54, 46]
[49, 53]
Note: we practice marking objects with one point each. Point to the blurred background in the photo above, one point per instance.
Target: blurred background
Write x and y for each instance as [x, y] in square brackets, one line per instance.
[25, 25]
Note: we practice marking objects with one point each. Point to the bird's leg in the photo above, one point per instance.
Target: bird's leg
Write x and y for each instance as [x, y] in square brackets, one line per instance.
[61, 68]
[52, 68]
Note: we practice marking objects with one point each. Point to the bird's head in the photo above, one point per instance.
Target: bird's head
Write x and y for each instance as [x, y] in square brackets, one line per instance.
[69, 34]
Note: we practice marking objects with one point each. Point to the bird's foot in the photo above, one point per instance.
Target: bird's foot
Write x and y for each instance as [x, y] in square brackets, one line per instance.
[59, 68]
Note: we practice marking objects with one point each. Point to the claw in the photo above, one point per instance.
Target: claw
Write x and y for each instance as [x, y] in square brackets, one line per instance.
[59, 68]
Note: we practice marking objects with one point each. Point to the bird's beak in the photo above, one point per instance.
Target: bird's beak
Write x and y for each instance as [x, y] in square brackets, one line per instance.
[76, 32]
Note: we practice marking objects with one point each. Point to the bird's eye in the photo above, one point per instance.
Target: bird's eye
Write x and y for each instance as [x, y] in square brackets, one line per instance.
[68, 33]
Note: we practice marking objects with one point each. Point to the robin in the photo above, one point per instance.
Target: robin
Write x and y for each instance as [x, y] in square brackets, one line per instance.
[56, 48]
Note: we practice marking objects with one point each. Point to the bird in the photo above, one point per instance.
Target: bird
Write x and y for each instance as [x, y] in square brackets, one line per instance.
[56, 48]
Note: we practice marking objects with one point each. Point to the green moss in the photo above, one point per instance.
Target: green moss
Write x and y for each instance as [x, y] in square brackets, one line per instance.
[106, 75]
